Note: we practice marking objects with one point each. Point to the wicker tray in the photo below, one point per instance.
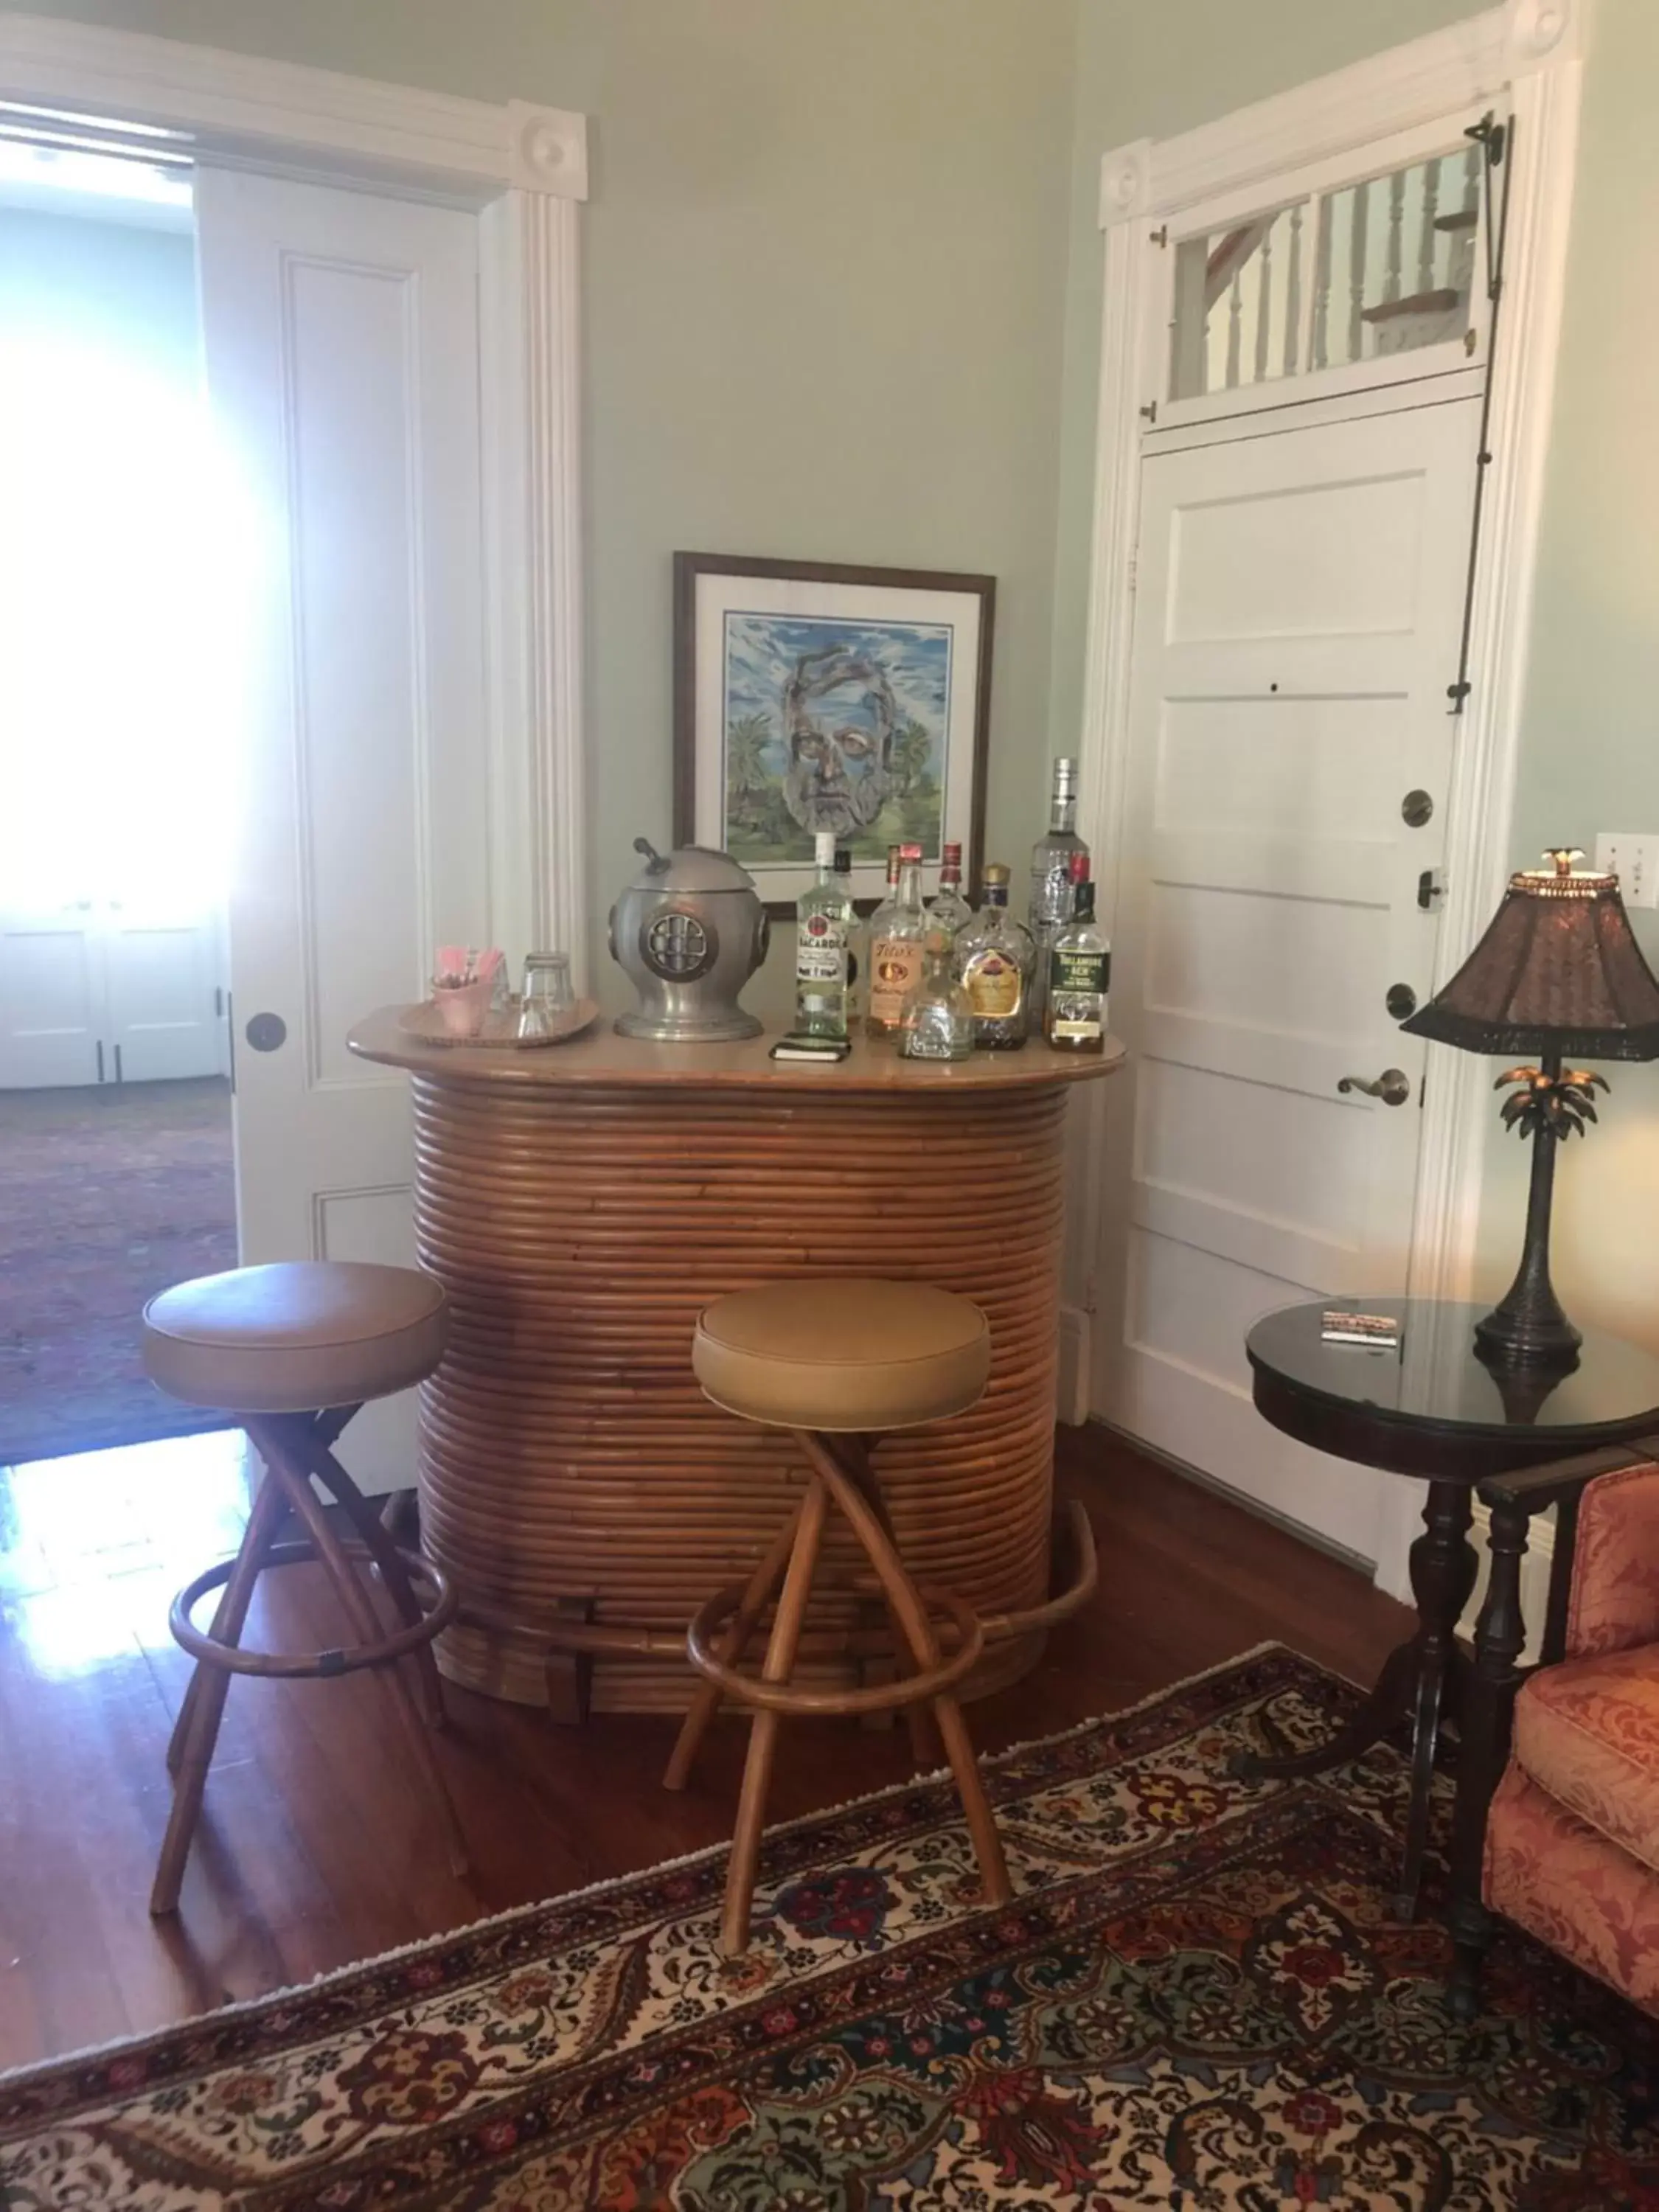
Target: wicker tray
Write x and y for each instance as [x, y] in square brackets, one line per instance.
[500, 1031]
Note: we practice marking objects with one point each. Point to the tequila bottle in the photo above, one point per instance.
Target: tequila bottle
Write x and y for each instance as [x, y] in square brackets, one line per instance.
[1050, 902]
[1080, 970]
[898, 941]
[948, 911]
[938, 1021]
[994, 959]
[823, 923]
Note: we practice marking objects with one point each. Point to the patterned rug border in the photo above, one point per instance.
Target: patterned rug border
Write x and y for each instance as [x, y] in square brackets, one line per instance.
[201, 2025]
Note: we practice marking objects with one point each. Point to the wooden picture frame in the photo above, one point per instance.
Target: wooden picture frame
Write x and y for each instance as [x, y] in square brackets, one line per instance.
[861, 698]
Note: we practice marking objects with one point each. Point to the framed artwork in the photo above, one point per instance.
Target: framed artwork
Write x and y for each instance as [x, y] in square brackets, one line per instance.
[809, 695]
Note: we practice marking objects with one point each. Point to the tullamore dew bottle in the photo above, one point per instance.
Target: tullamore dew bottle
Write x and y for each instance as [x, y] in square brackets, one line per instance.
[1080, 970]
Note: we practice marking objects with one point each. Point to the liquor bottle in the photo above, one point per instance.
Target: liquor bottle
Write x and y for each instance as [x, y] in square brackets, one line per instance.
[855, 937]
[865, 940]
[948, 911]
[897, 939]
[1079, 971]
[1050, 905]
[823, 919]
[994, 959]
[937, 1022]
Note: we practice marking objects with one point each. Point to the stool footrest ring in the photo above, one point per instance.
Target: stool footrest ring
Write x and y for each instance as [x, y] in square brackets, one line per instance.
[239, 1659]
[880, 1697]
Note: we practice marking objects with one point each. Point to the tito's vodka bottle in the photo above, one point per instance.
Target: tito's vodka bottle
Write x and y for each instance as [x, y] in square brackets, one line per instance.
[823, 922]
[898, 941]
[1050, 908]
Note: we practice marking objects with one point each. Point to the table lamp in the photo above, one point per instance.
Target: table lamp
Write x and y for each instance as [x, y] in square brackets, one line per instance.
[1557, 972]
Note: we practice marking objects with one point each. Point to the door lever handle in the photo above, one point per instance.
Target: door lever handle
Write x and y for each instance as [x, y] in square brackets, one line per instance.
[1393, 1086]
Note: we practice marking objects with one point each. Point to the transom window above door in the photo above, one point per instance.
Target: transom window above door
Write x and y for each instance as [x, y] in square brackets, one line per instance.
[1341, 282]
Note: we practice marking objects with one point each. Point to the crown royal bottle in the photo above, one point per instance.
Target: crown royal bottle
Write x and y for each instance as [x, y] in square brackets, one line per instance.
[994, 959]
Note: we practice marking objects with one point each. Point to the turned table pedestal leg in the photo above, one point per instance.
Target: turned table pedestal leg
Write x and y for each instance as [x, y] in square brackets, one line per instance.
[1421, 1681]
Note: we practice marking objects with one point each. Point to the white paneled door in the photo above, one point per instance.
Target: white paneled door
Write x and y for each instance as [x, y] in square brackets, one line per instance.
[110, 991]
[1299, 604]
[52, 996]
[341, 333]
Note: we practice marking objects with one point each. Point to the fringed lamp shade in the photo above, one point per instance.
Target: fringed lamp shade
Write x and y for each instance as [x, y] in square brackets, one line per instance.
[1558, 971]
[1557, 974]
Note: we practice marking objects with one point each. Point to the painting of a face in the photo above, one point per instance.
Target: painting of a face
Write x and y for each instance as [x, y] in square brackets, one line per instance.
[837, 725]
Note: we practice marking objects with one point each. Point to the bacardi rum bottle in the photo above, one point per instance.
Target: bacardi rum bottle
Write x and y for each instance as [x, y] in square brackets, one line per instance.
[1049, 909]
[898, 941]
[823, 923]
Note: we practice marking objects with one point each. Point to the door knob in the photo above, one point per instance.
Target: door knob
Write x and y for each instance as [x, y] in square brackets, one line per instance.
[1393, 1086]
[269, 1032]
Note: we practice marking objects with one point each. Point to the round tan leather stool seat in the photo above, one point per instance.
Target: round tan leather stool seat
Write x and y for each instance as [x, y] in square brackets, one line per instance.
[849, 1356]
[295, 1337]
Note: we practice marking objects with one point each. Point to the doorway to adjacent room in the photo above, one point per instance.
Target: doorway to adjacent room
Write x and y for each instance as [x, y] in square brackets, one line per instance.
[117, 622]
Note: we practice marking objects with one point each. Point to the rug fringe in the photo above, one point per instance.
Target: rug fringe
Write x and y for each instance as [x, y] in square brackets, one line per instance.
[133, 2045]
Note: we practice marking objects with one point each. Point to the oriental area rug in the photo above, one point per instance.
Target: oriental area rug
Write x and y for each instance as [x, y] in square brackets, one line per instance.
[1197, 2000]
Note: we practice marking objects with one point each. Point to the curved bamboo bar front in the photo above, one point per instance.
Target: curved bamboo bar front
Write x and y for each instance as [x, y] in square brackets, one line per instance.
[581, 1203]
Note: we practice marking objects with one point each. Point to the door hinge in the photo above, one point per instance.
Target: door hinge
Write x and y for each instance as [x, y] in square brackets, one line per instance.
[1149, 412]
[230, 1035]
[218, 1001]
[100, 1059]
[1161, 236]
[1134, 572]
[118, 1064]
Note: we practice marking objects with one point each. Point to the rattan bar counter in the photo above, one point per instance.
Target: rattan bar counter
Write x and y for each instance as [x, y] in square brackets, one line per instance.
[580, 1204]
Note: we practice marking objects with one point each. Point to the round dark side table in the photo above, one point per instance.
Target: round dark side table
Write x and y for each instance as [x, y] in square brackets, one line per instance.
[1431, 1407]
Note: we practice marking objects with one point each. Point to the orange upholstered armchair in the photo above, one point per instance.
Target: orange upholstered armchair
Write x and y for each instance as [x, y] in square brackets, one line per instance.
[1558, 1812]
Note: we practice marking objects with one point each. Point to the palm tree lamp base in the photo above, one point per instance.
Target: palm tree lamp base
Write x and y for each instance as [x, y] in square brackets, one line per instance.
[1527, 1328]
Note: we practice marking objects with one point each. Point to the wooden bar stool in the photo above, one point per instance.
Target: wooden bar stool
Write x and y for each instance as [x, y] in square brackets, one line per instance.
[838, 1363]
[290, 1353]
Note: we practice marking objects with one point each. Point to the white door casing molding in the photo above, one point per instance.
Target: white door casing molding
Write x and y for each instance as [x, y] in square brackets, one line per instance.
[523, 169]
[1526, 54]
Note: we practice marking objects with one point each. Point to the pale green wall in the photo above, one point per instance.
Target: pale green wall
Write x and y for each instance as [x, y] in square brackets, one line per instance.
[841, 297]
[1590, 740]
[1589, 758]
[822, 265]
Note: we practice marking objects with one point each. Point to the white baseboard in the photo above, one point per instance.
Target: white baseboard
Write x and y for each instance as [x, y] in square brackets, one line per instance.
[1072, 1394]
[1534, 1579]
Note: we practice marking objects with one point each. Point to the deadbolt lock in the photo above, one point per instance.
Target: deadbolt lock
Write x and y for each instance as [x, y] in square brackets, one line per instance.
[1401, 1001]
[1416, 809]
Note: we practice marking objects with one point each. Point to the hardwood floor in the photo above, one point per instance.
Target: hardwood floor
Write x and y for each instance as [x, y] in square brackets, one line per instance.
[316, 1849]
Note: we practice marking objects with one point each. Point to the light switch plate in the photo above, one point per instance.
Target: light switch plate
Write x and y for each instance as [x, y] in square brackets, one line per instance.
[1634, 859]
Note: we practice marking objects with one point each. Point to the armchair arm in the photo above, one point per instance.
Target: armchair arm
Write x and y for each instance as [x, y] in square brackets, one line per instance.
[1500, 1634]
[1532, 1490]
